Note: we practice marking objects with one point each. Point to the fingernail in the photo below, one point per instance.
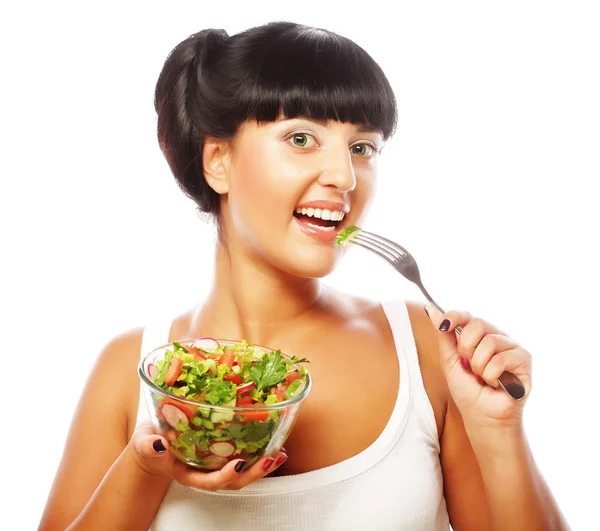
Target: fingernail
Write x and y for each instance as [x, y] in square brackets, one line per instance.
[425, 308]
[481, 380]
[281, 460]
[465, 364]
[268, 463]
[158, 446]
[445, 325]
[239, 466]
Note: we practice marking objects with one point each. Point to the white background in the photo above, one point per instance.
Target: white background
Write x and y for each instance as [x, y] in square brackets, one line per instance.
[491, 182]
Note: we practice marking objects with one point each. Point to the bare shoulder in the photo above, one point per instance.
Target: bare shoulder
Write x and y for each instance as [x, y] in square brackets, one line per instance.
[118, 362]
[116, 369]
[429, 361]
[100, 427]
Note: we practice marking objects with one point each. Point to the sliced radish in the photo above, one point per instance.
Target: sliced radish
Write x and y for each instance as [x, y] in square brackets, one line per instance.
[246, 387]
[152, 371]
[214, 462]
[173, 415]
[222, 448]
[206, 343]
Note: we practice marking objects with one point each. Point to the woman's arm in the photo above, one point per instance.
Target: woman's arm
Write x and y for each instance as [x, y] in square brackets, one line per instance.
[490, 478]
[98, 484]
[127, 498]
[492, 482]
[518, 497]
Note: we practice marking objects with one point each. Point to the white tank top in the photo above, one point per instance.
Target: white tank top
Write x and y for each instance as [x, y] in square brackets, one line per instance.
[395, 484]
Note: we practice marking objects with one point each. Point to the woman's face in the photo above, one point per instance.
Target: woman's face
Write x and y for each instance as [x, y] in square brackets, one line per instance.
[285, 179]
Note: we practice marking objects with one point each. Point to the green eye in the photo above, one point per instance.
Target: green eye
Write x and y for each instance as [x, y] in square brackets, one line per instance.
[362, 150]
[300, 140]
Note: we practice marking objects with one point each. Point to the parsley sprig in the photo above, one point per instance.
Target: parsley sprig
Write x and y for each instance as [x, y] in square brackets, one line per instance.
[271, 369]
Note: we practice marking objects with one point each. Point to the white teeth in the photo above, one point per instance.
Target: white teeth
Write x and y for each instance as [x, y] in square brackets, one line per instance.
[325, 214]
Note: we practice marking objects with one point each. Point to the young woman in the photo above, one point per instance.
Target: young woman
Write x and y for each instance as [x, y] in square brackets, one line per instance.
[406, 427]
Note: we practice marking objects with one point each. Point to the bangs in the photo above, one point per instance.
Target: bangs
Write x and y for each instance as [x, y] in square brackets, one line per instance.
[311, 73]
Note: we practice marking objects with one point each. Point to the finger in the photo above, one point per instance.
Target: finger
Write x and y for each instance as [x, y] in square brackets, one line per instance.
[516, 361]
[147, 443]
[489, 346]
[259, 470]
[198, 479]
[450, 320]
[448, 344]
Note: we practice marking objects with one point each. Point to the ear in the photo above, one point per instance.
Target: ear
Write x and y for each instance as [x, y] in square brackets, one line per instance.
[215, 163]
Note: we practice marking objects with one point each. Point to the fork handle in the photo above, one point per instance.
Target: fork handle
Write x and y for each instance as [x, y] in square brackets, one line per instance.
[508, 381]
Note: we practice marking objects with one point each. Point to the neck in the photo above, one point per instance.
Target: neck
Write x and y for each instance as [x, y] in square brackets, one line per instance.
[250, 300]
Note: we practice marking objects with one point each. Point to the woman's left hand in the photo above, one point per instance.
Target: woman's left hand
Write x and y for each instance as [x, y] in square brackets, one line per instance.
[472, 363]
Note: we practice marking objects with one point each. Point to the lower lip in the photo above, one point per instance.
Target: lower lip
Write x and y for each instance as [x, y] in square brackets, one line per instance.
[327, 236]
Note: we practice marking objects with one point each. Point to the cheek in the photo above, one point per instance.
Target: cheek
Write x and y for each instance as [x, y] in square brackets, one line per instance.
[363, 194]
[264, 188]
[266, 178]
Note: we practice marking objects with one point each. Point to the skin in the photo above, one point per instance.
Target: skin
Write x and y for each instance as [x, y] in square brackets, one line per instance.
[267, 288]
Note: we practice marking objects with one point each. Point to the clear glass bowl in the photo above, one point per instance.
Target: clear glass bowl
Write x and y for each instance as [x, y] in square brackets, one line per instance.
[199, 444]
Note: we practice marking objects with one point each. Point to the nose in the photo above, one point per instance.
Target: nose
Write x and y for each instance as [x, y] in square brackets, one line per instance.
[338, 171]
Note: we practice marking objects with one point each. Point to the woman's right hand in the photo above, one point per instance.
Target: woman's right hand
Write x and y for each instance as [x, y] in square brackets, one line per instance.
[146, 450]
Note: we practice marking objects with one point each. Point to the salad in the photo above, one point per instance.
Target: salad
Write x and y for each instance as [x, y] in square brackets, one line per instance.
[218, 378]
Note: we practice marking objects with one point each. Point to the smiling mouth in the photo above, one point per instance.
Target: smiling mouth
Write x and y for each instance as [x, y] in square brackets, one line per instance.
[319, 217]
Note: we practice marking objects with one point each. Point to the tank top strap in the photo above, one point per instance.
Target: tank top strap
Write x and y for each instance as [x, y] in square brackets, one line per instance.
[398, 317]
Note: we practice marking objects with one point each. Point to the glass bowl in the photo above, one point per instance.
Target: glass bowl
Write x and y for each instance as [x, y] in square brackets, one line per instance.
[206, 436]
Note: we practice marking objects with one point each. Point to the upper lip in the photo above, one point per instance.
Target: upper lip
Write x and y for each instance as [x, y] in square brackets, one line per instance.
[334, 206]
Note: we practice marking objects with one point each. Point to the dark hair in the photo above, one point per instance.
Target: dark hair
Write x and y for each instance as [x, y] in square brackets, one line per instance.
[211, 83]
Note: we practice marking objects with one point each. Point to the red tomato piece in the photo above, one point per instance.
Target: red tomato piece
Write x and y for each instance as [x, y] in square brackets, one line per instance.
[227, 358]
[234, 378]
[174, 371]
[244, 401]
[254, 415]
[292, 376]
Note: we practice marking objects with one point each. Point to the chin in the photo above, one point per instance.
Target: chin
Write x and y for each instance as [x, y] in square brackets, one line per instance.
[315, 264]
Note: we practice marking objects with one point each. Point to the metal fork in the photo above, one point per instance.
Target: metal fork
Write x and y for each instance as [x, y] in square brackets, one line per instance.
[403, 262]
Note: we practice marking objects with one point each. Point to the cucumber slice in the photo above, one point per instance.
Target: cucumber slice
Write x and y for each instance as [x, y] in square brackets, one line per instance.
[346, 235]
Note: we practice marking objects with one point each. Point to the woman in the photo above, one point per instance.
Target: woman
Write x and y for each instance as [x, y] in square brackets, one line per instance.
[405, 427]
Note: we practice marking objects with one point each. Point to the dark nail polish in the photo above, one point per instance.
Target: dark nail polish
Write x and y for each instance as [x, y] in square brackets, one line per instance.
[239, 466]
[465, 364]
[268, 463]
[158, 446]
[281, 460]
[445, 325]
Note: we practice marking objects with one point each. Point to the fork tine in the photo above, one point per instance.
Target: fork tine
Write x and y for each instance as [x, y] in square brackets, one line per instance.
[381, 245]
[378, 251]
[375, 237]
